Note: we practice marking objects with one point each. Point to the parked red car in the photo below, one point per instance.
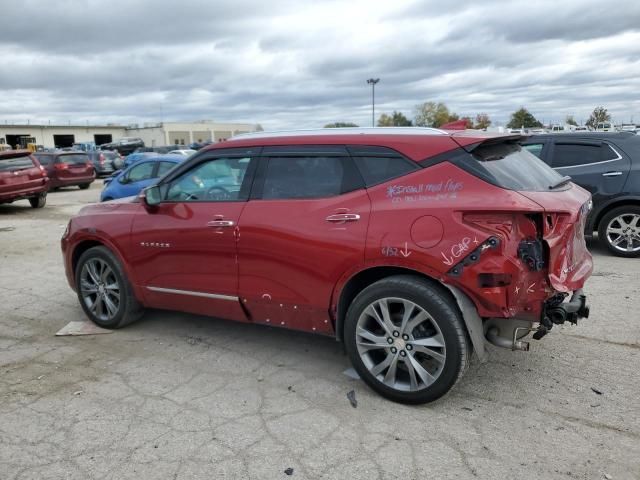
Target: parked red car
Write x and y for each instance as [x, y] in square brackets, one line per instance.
[66, 169]
[22, 177]
[412, 246]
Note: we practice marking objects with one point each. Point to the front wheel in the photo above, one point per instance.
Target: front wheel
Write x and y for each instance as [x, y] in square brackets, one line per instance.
[105, 294]
[84, 186]
[619, 230]
[39, 201]
[406, 339]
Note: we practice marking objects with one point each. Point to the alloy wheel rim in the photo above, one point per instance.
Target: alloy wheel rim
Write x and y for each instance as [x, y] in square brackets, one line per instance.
[400, 344]
[100, 289]
[623, 232]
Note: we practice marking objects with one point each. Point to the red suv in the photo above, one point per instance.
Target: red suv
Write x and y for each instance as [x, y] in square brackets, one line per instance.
[413, 246]
[22, 177]
[66, 169]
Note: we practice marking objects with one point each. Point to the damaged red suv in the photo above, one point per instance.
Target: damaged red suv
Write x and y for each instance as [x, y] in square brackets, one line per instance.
[412, 246]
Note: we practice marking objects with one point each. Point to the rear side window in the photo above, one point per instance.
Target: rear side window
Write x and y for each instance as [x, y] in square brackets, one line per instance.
[73, 159]
[535, 148]
[303, 177]
[376, 170]
[15, 163]
[508, 165]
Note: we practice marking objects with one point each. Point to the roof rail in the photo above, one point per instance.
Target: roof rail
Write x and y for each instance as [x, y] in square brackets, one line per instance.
[343, 131]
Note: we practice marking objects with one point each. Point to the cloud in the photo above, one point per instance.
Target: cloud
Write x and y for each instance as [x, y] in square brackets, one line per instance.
[298, 64]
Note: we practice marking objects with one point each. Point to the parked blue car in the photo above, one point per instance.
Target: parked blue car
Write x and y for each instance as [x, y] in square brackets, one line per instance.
[136, 157]
[131, 180]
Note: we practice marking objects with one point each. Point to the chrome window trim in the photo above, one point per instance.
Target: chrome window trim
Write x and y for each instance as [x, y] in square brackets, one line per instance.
[214, 296]
[595, 163]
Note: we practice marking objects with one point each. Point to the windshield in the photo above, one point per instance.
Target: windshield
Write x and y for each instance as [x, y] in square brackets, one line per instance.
[515, 168]
[15, 163]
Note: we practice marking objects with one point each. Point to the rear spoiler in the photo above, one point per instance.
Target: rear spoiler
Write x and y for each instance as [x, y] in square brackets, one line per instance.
[472, 141]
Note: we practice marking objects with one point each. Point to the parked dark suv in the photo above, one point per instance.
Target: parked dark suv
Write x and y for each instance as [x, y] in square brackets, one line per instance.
[103, 161]
[410, 245]
[608, 165]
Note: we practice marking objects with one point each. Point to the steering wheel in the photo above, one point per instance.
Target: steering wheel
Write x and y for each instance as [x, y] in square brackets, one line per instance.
[218, 193]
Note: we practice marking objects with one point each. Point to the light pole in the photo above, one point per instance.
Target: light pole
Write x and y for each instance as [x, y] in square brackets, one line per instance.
[372, 82]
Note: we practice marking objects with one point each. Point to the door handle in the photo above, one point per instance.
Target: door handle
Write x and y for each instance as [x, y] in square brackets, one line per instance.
[612, 174]
[343, 217]
[221, 223]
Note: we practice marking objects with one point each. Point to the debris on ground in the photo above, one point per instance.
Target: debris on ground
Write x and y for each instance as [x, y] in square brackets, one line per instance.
[596, 391]
[83, 327]
[289, 471]
[352, 398]
[78, 392]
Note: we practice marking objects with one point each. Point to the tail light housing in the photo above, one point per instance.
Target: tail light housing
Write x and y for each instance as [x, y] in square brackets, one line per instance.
[102, 159]
[61, 166]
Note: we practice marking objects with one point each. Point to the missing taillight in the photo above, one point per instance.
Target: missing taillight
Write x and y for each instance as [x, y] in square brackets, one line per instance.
[531, 253]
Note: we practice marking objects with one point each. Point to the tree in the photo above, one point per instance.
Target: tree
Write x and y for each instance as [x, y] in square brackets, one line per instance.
[432, 114]
[569, 120]
[340, 125]
[396, 119]
[599, 115]
[523, 119]
[482, 121]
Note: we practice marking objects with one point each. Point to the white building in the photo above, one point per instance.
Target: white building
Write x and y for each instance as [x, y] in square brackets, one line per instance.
[165, 133]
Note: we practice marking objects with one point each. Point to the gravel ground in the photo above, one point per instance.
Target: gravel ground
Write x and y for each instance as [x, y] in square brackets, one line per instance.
[182, 396]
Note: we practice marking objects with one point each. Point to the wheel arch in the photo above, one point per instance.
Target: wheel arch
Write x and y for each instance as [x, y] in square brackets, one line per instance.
[85, 244]
[618, 202]
[363, 278]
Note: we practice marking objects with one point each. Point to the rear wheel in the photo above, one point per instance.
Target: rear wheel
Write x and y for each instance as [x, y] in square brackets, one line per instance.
[619, 230]
[406, 339]
[104, 292]
[39, 201]
[84, 186]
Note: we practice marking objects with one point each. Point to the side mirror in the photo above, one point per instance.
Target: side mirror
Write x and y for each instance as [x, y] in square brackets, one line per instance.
[151, 196]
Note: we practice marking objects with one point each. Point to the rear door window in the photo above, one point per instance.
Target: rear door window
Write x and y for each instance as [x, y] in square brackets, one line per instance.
[140, 172]
[19, 162]
[575, 154]
[303, 177]
[164, 167]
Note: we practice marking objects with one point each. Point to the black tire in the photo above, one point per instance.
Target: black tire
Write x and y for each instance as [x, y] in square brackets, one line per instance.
[39, 201]
[84, 186]
[129, 308]
[444, 313]
[609, 217]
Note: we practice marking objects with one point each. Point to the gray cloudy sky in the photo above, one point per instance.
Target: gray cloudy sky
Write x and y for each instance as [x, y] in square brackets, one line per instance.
[296, 63]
